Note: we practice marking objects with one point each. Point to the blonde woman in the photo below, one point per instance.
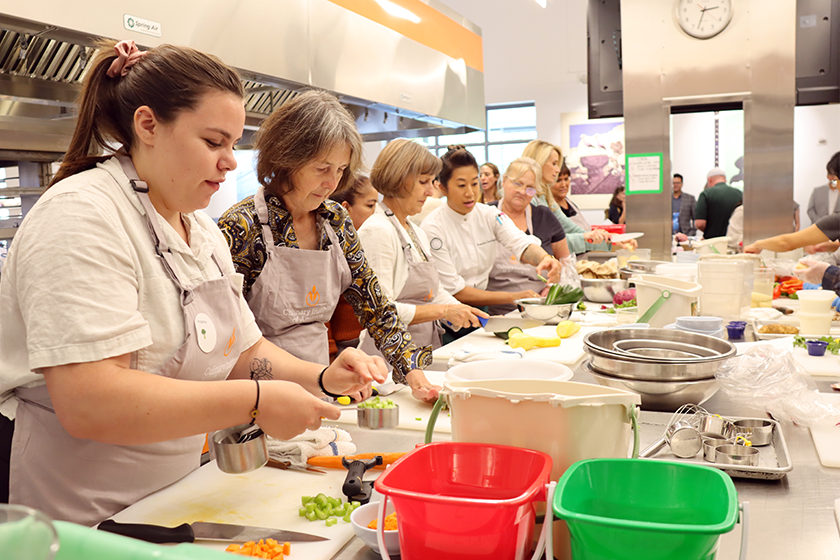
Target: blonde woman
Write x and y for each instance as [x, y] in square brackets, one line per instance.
[399, 252]
[549, 158]
[508, 274]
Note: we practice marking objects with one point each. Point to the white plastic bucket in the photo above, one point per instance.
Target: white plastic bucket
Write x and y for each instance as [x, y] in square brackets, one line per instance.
[509, 369]
[715, 245]
[687, 272]
[682, 301]
[727, 285]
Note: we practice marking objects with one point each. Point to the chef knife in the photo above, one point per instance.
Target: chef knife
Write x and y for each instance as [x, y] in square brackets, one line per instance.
[504, 324]
[187, 532]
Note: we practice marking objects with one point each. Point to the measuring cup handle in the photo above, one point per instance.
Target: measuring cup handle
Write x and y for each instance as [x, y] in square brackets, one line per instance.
[745, 523]
[653, 448]
[430, 426]
[380, 527]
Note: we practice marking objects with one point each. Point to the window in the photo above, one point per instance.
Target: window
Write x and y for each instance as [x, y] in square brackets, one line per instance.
[509, 129]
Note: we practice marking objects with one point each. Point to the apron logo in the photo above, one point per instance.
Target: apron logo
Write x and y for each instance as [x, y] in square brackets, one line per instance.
[513, 259]
[436, 244]
[231, 342]
[431, 296]
[313, 297]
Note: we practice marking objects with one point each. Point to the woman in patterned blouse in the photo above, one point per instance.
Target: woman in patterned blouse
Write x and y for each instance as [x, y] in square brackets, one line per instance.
[308, 149]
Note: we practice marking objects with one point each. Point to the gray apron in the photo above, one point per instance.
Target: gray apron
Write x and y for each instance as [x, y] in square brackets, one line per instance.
[297, 291]
[510, 275]
[419, 289]
[578, 218]
[85, 481]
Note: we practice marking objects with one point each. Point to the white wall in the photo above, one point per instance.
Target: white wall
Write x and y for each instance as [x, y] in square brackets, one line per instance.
[816, 136]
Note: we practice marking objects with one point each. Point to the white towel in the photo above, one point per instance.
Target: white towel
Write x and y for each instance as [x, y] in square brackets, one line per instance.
[470, 353]
[765, 313]
[329, 442]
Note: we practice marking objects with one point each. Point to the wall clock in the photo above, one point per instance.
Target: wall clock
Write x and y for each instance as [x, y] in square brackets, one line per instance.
[703, 19]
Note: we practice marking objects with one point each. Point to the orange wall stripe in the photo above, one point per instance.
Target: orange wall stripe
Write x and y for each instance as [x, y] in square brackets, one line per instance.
[434, 30]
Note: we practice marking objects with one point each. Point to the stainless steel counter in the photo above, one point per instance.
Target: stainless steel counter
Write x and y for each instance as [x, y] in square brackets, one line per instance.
[790, 519]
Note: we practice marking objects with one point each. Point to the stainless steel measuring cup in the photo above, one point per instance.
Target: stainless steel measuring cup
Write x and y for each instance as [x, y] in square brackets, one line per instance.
[683, 438]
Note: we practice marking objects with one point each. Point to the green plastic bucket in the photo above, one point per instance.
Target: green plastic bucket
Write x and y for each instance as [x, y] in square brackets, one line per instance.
[636, 509]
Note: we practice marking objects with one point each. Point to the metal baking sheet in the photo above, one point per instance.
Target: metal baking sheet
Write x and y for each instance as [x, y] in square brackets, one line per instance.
[773, 462]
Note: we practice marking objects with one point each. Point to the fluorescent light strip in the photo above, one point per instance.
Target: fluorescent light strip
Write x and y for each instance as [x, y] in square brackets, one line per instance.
[398, 11]
[541, 3]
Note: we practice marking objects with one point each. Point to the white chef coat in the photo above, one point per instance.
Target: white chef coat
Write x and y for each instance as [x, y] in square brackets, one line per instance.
[384, 253]
[464, 245]
[82, 282]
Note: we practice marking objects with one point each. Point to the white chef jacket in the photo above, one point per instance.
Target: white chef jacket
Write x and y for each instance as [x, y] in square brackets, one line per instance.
[384, 252]
[464, 246]
[82, 281]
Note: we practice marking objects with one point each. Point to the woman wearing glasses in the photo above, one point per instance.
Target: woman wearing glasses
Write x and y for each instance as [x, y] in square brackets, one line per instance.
[508, 274]
[463, 235]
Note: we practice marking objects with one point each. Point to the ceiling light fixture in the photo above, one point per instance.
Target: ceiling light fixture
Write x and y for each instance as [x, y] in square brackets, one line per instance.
[398, 11]
[541, 3]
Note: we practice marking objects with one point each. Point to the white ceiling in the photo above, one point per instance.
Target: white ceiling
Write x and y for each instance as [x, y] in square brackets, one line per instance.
[529, 49]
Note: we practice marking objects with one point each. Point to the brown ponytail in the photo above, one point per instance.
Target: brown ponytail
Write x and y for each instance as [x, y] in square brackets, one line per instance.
[167, 79]
[455, 157]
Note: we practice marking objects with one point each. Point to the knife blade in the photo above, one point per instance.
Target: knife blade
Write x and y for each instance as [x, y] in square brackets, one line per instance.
[187, 532]
[503, 324]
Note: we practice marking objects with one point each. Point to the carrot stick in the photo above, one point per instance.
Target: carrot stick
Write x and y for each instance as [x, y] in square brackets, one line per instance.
[335, 462]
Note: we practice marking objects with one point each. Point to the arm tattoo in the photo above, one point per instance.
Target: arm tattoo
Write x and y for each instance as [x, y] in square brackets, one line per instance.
[533, 255]
[261, 369]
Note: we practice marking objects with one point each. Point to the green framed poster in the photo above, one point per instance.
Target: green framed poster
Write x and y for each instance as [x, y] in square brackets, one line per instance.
[644, 173]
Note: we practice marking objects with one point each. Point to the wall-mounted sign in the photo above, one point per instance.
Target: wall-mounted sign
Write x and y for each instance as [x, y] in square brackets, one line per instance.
[140, 25]
[644, 173]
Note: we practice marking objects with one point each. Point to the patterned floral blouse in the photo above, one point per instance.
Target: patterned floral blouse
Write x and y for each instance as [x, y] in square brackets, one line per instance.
[375, 312]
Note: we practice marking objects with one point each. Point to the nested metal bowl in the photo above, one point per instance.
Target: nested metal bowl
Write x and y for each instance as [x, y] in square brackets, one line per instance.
[602, 290]
[644, 267]
[652, 348]
[665, 396]
[535, 308]
[605, 358]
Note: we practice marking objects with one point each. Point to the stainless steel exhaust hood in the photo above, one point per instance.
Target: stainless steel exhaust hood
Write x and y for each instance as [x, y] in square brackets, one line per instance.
[394, 80]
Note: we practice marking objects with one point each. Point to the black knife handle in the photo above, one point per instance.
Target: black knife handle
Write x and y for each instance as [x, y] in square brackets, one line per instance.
[150, 533]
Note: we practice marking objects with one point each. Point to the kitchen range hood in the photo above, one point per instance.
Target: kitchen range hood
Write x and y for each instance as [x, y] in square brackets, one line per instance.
[402, 67]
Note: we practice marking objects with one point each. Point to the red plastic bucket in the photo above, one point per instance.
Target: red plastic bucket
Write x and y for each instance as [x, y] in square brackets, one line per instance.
[465, 500]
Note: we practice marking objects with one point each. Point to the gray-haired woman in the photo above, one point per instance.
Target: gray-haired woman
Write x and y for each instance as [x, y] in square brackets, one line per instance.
[299, 251]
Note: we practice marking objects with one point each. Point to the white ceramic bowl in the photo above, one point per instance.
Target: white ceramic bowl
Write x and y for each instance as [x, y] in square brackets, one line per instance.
[363, 515]
[509, 369]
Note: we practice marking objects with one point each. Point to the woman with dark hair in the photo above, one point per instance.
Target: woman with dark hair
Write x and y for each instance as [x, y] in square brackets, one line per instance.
[560, 190]
[463, 235]
[299, 251]
[489, 177]
[124, 337]
[360, 201]
[615, 213]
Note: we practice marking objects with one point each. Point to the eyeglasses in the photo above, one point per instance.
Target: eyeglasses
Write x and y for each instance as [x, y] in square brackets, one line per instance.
[530, 191]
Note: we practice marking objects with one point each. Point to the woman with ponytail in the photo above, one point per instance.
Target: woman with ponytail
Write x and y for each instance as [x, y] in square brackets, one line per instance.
[124, 336]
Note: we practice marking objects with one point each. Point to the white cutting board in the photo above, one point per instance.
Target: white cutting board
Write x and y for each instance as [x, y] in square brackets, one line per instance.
[411, 409]
[569, 353]
[266, 497]
[827, 440]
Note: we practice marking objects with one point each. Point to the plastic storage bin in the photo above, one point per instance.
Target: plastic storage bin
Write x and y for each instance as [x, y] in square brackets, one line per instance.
[509, 369]
[625, 509]
[715, 245]
[687, 272]
[682, 301]
[816, 301]
[727, 286]
[465, 500]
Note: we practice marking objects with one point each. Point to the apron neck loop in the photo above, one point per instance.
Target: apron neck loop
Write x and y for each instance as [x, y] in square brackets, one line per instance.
[262, 216]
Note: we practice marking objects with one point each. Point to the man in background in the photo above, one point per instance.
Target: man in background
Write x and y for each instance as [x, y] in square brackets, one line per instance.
[715, 205]
[683, 205]
[824, 199]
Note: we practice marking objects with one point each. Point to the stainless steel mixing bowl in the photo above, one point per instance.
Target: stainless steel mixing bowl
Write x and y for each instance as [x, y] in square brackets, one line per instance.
[665, 396]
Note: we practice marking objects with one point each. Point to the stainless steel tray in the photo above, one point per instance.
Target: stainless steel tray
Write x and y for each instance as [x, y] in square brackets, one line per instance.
[774, 460]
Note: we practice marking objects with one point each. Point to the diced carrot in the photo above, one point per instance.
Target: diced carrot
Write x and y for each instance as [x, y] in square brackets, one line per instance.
[287, 548]
[390, 522]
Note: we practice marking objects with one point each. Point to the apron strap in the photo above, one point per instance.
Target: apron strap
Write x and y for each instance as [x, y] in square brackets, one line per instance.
[158, 238]
[406, 243]
[529, 223]
[262, 217]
